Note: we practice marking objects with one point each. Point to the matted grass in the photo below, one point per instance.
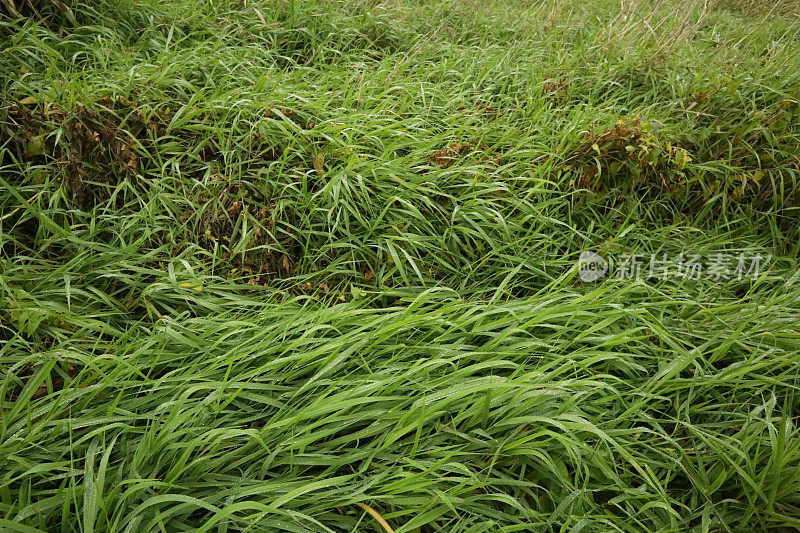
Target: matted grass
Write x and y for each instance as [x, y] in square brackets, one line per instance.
[310, 266]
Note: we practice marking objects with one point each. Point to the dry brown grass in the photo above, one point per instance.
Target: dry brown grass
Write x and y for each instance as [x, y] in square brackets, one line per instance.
[37, 8]
[760, 8]
[662, 25]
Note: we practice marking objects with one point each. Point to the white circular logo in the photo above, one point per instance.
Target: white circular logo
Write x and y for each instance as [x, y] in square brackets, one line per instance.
[592, 266]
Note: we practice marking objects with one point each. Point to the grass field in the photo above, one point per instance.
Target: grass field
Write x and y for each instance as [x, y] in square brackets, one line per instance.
[313, 266]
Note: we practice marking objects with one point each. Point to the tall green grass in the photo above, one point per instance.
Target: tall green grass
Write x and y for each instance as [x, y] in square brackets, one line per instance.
[340, 269]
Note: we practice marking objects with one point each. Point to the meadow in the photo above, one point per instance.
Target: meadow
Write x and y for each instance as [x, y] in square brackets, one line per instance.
[314, 266]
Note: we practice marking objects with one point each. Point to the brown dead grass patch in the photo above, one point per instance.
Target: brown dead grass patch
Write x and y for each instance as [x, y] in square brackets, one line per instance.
[96, 150]
[456, 152]
[240, 226]
[555, 90]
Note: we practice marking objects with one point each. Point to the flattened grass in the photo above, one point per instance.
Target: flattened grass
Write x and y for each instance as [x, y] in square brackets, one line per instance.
[342, 270]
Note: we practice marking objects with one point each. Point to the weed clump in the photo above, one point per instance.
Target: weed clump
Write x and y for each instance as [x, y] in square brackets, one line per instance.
[628, 157]
[238, 226]
[100, 153]
[92, 149]
[555, 90]
[743, 164]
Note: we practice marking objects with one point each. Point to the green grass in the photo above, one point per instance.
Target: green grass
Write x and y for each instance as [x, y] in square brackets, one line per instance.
[266, 263]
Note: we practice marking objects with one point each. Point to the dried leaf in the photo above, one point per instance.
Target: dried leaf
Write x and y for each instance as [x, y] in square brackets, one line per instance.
[319, 162]
[260, 16]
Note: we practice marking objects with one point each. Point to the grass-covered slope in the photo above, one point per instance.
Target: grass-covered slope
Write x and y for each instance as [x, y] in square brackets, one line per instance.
[310, 266]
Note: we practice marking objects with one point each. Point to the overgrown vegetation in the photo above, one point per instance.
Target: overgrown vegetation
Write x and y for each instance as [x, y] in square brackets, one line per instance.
[311, 266]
